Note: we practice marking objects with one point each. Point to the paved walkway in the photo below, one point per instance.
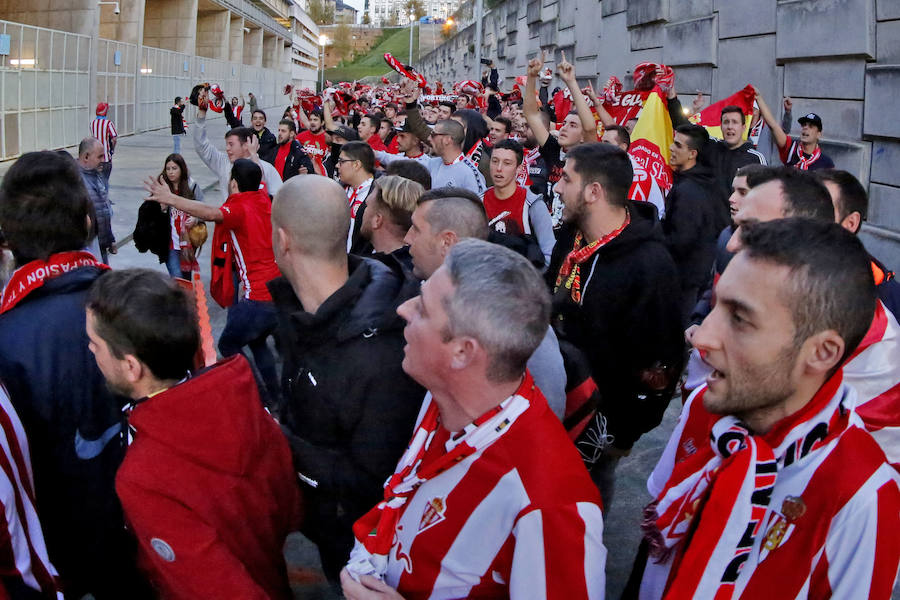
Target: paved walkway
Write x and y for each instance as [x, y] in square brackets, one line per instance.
[140, 156]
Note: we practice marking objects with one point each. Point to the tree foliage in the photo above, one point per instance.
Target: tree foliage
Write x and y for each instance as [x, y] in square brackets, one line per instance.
[342, 45]
[321, 12]
[417, 7]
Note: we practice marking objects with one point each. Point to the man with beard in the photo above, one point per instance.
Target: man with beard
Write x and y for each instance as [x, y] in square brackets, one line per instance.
[408, 143]
[616, 298]
[695, 214]
[288, 156]
[770, 470]
[313, 141]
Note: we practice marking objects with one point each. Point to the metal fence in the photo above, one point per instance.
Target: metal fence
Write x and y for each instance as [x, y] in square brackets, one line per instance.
[44, 89]
[45, 86]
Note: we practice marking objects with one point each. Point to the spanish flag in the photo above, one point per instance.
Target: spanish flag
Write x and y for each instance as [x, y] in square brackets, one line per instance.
[711, 116]
[652, 137]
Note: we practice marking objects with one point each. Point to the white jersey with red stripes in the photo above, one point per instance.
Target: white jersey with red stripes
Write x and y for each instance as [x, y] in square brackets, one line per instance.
[104, 130]
[831, 524]
[22, 547]
[519, 519]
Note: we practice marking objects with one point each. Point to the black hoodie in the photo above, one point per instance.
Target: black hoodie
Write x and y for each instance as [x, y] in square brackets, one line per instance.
[695, 214]
[627, 323]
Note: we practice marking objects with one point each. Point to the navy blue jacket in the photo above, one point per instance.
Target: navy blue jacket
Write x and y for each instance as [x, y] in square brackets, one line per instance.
[73, 425]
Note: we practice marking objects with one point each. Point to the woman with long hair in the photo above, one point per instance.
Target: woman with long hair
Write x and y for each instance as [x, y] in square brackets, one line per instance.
[163, 229]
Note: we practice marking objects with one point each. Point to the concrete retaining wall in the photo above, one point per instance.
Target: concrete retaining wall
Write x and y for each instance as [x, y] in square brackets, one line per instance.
[839, 58]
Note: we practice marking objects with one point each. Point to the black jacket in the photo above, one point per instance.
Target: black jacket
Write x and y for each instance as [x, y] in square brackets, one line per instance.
[267, 141]
[296, 158]
[628, 323]
[177, 121]
[349, 408]
[73, 425]
[152, 230]
[695, 214]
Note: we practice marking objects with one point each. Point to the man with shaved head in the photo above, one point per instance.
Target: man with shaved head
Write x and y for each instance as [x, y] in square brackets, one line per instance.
[348, 406]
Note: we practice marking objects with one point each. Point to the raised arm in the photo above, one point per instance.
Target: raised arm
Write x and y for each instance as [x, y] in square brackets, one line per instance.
[161, 193]
[605, 117]
[778, 133]
[529, 101]
[566, 72]
[327, 109]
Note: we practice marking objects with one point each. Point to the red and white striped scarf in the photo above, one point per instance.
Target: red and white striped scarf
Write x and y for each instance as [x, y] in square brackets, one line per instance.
[711, 510]
[374, 531]
[804, 163]
[34, 274]
[570, 271]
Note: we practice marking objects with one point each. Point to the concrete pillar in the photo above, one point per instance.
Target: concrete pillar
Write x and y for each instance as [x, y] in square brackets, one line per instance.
[236, 40]
[213, 34]
[126, 26]
[74, 16]
[171, 25]
[253, 47]
[270, 57]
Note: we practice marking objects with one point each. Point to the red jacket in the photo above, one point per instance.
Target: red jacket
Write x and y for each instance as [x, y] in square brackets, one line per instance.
[209, 490]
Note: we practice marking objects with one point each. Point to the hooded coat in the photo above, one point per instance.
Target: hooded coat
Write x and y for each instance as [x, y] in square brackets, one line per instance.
[696, 213]
[208, 488]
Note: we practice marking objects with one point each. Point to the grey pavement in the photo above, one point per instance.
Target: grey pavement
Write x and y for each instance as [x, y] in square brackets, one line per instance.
[141, 156]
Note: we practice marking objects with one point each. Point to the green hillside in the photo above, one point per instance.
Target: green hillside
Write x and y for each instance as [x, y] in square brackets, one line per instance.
[395, 41]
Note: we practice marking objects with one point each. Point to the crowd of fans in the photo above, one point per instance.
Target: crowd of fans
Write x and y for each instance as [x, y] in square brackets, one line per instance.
[476, 316]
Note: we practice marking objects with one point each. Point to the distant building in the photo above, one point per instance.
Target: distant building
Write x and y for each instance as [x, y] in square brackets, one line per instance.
[344, 13]
[381, 10]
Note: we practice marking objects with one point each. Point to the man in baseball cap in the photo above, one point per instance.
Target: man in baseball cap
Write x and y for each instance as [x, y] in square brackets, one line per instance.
[805, 153]
[408, 142]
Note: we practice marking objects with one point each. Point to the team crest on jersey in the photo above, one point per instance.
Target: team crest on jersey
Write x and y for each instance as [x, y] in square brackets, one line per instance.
[782, 525]
[434, 513]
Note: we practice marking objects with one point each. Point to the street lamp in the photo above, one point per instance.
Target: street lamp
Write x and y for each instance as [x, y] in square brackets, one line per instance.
[412, 17]
[323, 41]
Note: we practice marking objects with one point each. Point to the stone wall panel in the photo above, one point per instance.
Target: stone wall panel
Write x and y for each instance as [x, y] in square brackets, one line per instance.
[882, 91]
[747, 17]
[611, 7]
[647, 36]
[647, 11]
[690, 9]
[691, 42]
[850, 27]
[888, 46]
[888, 9]
[735, 71]
[885, 162]
[884, 206]
[843, 79]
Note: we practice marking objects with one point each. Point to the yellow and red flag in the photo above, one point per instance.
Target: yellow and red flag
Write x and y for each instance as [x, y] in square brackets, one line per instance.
[711, 116]
[652, 137]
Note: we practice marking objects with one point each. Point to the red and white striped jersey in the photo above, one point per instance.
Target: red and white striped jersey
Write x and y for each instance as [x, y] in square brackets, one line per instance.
[519, 519]
[104, 130]
[830, 527]
[874, 372]
[22, 548]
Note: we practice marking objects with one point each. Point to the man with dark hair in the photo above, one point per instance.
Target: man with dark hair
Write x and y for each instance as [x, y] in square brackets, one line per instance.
[356, 171]
[783, 491]
[727, 155]
[313, 140]
[696, 212]
[244, 230]
[615, 299]
[533, 173]
[368, 131]
[72, 420]
[512, 209]
[445, 109]
[410, 169]
[490, 499]
[499, 129]
[90, 157]
[263, 135]
[643, 187]
[851, 207]
[409, 144]
[287, 156]
[448, 167]
[442, 218]
[347, 402]
[240, 142]
[207, 484]
[177, 115]
[805, 153]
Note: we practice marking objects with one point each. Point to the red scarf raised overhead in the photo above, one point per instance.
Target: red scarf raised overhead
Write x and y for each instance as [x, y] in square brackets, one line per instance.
[570, 271]
[33, 275]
